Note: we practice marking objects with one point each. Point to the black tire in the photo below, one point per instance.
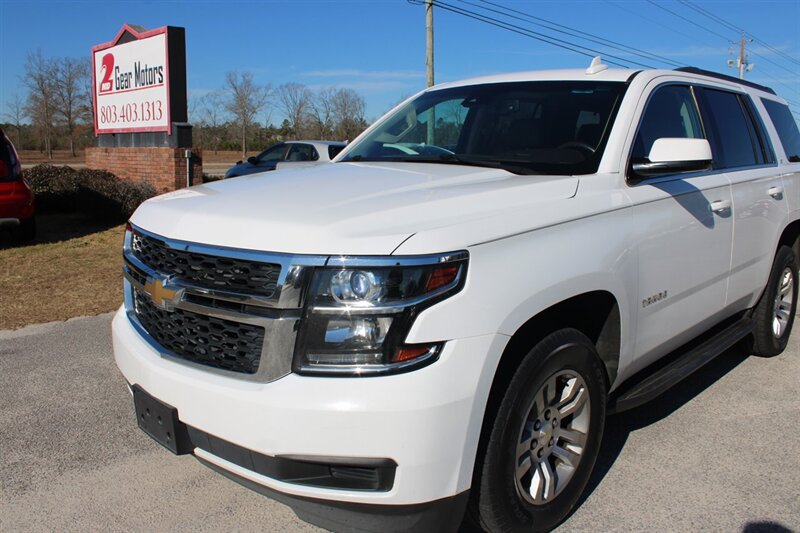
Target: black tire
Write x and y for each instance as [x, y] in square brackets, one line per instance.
[27, 229]
[497, 502]
[769, 339]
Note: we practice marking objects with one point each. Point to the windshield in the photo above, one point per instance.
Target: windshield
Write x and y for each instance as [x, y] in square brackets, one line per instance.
[524, 127]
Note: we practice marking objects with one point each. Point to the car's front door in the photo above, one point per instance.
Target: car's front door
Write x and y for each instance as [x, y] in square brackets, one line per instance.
[684, 227]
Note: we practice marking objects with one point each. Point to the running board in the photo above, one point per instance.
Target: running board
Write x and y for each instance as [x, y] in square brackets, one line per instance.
[655, 383]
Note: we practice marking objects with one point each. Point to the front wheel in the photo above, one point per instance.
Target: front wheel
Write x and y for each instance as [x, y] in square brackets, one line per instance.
[545, 438]
[774, 313]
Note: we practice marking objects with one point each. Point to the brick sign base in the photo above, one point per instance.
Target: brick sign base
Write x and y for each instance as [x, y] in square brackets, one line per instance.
[162, 167]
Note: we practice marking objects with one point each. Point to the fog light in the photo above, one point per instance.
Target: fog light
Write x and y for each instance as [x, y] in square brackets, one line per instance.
[357, 332]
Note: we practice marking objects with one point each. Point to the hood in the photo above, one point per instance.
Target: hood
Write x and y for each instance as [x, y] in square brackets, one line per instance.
[346, 208]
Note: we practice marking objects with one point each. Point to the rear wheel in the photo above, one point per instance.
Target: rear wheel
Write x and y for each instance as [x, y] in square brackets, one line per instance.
[545, 437]
[774, 314]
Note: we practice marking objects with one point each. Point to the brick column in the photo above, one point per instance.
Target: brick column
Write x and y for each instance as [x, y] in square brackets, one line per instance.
[162, 167]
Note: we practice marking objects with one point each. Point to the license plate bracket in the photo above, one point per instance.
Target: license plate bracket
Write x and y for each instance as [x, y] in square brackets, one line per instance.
[160, 421]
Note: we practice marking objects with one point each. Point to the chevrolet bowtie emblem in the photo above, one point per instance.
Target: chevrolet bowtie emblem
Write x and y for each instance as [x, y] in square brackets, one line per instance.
[163, 296]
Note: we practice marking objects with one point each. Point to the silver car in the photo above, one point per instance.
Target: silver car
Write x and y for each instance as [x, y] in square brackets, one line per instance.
[288, 154]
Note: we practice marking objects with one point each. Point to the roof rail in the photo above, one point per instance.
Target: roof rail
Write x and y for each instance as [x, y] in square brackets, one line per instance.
[712, 74]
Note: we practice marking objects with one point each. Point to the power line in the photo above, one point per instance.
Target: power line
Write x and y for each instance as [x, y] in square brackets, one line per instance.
[560, 28]
[730, 26]
[727, 40]
[690, 21]
[737, 29]
[652, 21]
[790, 71]
[549, 39]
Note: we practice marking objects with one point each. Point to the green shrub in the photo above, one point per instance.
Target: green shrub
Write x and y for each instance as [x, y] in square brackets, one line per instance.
[97, 193]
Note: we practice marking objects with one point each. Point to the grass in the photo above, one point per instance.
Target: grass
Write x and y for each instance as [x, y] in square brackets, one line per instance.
[73, 268]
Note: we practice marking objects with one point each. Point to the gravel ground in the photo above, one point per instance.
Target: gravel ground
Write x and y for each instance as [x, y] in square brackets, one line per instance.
[719, 452]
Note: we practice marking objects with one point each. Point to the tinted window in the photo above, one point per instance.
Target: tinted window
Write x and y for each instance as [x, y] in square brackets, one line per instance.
[728, 129]
[302, 152]
[523, 127]
[333, 150]
[766, 154]
[670, 113]
[7, 159]
[787, 128]
[273, 153]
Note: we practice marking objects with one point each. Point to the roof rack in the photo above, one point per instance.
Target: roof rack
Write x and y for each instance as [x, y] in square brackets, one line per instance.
[712, 74]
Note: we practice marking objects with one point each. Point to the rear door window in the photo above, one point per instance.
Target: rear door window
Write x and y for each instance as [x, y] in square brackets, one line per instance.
[729, 129]
[784, 123]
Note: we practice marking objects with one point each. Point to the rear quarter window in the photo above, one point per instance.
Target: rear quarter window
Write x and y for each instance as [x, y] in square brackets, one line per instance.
[784, 123]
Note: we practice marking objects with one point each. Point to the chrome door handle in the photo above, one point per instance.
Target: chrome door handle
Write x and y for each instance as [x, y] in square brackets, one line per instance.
[776, 192]
[720, 205]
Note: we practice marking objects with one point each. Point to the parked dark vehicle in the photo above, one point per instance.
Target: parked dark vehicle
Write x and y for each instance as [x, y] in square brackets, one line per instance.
[16, 197]
[289, 154]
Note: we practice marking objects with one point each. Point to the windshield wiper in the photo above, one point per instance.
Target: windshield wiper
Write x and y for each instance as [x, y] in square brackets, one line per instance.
[452, 159]
[510, 166]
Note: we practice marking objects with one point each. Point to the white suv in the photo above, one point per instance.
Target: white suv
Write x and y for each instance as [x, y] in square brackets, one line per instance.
[440, 320]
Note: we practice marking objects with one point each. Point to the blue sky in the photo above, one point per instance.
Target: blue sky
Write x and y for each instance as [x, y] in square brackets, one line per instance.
[377, 47]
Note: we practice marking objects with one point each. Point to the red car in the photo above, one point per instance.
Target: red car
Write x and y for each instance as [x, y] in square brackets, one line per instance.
[16, 197]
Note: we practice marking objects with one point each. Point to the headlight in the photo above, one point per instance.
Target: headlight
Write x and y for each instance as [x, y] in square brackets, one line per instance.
[357, 317]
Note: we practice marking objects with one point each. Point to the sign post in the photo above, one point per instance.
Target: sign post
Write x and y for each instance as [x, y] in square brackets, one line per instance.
[140, 108]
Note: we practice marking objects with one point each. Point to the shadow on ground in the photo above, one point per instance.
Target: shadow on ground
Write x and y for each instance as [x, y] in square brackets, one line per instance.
[56, 227]
[620, 426]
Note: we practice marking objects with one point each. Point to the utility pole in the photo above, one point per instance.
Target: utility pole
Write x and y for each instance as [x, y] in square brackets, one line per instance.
[741, 63]
[429, 65]
[429, 41]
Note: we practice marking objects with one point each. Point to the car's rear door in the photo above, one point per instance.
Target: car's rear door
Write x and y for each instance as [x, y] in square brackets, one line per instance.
[742, 149]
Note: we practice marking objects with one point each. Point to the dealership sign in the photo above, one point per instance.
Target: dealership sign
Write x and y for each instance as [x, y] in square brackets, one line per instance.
[131, 80]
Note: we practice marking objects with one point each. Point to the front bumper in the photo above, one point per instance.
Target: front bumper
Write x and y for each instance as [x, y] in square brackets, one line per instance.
[427, 421]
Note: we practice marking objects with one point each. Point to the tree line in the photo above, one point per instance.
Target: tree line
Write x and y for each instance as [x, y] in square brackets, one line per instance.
[228, 118]
[56, 111]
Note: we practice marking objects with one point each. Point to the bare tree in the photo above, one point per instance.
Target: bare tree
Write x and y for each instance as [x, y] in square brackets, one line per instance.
[348, 114]
[15, 114]
[211, 116]
[70, 98]
[246, 99]
[40, 106]
[294, 100]
[322, 113]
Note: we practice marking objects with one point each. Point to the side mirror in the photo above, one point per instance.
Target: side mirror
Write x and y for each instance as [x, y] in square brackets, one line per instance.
[670, 155]
[252, 160]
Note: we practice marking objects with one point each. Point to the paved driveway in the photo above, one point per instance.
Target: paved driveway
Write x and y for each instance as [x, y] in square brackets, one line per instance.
[720, 452]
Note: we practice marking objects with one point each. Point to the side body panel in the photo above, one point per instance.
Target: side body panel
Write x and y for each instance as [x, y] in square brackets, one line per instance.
[760, 213]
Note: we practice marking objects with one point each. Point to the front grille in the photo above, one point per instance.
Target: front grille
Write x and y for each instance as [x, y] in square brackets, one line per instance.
[210, 271]
[202, 339]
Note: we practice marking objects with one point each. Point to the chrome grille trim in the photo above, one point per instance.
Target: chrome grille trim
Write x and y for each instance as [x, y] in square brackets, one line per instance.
[278, 314]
